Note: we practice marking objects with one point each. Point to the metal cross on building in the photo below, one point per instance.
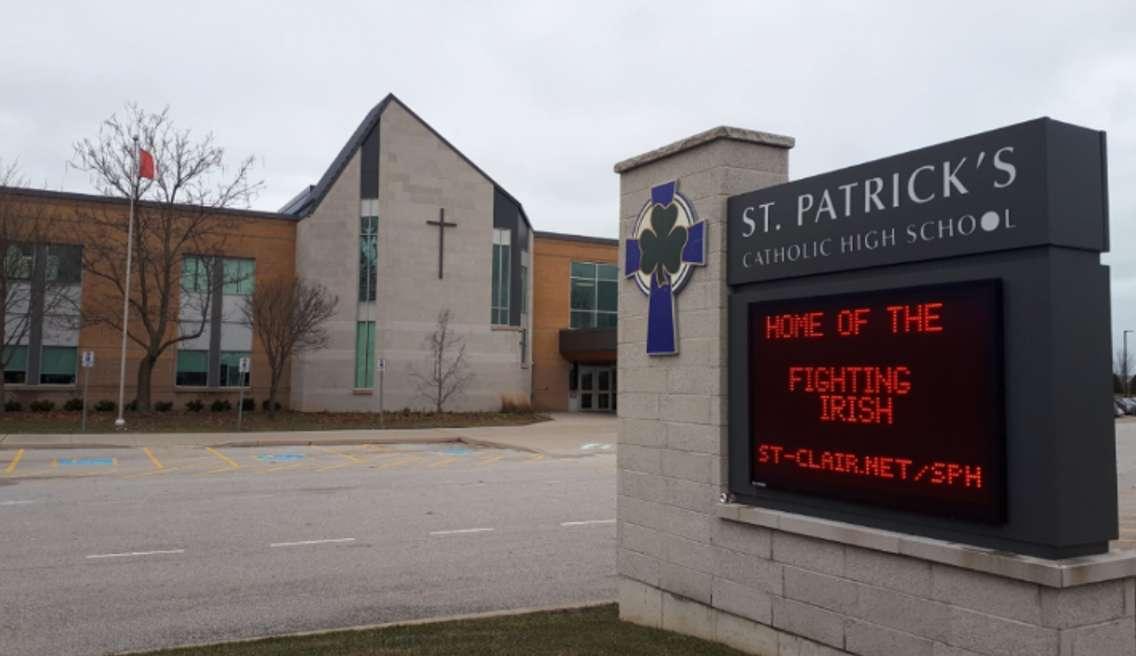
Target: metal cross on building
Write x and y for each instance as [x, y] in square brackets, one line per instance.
[442, 225]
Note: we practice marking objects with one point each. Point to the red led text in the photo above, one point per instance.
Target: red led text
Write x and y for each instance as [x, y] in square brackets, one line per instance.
[934, 473]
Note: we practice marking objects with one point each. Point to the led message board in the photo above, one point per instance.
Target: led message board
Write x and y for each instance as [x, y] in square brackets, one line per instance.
[892, 398]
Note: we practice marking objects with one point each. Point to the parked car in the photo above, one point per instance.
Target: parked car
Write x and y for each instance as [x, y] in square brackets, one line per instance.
[1117, 411]
[1129, 405]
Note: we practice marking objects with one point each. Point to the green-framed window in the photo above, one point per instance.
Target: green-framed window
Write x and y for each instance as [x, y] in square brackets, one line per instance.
[231, 375]
[594, 294]
[502, 249]
[365, 354]
[239, 276]
[57, 365]
[368, 257]
[192, 368]
[15, 364]
[18, 261]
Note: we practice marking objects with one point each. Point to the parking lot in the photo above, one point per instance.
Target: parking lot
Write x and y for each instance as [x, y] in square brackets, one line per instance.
[137, 464]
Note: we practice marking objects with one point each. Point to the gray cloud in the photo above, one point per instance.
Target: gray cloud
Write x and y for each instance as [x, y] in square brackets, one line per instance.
[546, 97]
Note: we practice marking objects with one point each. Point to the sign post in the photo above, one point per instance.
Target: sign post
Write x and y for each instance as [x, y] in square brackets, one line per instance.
[88, 364]
[243, 366]
[381, 366]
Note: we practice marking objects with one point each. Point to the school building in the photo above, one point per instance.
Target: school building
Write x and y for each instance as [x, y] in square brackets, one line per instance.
[400, 226]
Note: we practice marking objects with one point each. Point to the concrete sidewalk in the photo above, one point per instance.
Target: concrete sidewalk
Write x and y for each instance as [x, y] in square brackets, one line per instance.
[566, 435]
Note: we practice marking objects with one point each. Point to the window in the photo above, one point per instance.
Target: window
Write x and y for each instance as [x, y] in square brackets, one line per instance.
[18, 262]
[239, 276]
[193, 368]
[64, 263]
[368, 256]
[231, 375]
[365, 354]
[213, 287]
[195, 274]
[595, 295]
[57, 365]
[501, 251]
[16, 364]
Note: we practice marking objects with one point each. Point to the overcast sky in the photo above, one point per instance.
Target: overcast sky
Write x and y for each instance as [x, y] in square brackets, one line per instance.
[546, 97]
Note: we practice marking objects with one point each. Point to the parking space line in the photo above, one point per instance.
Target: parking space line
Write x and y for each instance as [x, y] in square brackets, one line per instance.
[536, 457]
[159, 552]
[307, 542]
[398, 462]
[461, 531]
[490, 460]
[15, 461]
[153, 458]
[444, 462]
[233, 464]
[353, 459]
[588, 522]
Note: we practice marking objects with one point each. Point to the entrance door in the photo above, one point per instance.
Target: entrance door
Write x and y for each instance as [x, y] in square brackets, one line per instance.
[597, 389]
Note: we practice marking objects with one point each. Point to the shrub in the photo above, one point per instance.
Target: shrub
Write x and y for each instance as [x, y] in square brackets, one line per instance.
[515, 405]
[105, 406]
[248, 405]
[195, 405]
[220, 405]
[13, 406]
[164, 406]
[73, 405]
[42, 406]
[264, 405]
[132, 406]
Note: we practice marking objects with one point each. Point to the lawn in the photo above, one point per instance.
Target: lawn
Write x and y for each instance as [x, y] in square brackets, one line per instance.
[594, 631]
[207, 421]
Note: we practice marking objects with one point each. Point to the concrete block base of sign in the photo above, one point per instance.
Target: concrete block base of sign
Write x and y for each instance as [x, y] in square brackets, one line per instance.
[783, 584]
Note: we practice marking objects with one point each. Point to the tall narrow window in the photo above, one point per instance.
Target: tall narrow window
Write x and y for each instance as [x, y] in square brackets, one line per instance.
[365, 354]
[213, 290]
[501, 250]
[368, 250]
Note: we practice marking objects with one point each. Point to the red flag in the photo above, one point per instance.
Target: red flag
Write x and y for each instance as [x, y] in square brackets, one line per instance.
[145, 164]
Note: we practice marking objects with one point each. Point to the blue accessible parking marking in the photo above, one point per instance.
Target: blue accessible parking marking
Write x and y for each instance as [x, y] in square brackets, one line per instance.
[458, 451]
[86, 462]
[280, 457]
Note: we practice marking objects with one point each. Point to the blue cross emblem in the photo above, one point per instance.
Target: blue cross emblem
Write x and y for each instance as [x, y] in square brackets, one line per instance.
[664, 246]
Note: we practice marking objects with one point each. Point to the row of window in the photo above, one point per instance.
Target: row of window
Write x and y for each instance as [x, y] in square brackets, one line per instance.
[193, 369]
[238, 275]
[595, 295]
[56, 365]
[63, 262]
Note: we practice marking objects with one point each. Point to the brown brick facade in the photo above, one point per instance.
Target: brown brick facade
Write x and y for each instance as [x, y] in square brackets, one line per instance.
[552, 258]
[267, 238]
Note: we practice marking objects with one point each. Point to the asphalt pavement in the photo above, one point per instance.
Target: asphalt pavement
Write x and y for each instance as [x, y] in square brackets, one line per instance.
[122, 549]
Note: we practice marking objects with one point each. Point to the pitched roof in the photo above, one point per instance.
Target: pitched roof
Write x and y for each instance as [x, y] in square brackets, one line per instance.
[307, 200]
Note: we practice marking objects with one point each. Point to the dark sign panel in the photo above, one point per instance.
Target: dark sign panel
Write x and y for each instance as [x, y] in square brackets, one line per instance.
[1025, 185]
[891, 398]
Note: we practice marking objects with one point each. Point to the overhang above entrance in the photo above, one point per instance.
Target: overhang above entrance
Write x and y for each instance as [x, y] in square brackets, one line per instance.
[588, 345]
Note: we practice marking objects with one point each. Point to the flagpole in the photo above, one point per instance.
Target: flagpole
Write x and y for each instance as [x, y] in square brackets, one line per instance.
[120, 422]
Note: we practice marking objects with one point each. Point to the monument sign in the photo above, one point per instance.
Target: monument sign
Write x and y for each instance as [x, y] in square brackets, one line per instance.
[921, 343]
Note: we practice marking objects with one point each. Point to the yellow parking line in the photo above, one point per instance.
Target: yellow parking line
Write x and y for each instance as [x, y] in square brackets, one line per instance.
[233, 464]
[15, 461]
[153, 458]
[163, 470]
[398, 462]
[490, 460]
[350, 457]
[445, 462]
[536, 457]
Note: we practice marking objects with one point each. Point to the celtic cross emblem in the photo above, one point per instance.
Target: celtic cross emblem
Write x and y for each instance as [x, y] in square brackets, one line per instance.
[665, 244]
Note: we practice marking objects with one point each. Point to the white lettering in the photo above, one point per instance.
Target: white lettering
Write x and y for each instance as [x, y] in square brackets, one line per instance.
[911, 185]
[872, 196]
[751, 225]
[826, 207]
[802, 207]
[1009, 169]
[950, 179]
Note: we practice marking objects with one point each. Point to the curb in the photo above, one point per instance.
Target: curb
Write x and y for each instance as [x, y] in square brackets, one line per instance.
[386, 625]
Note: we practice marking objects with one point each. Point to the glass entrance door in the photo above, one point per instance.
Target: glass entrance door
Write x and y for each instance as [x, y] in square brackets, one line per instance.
[597, 389]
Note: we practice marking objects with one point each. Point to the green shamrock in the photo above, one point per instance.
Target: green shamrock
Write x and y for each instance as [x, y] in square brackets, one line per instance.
[661, 244]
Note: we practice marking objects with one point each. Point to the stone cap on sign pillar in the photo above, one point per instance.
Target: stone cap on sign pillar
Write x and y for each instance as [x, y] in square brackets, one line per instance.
[713, 134]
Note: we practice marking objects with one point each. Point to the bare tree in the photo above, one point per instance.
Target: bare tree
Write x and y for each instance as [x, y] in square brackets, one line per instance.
[23, 233]
[177, 216]
[447, 372]
[288, 315]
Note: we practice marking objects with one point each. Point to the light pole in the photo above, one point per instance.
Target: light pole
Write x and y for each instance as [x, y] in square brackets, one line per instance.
[1124, 364]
